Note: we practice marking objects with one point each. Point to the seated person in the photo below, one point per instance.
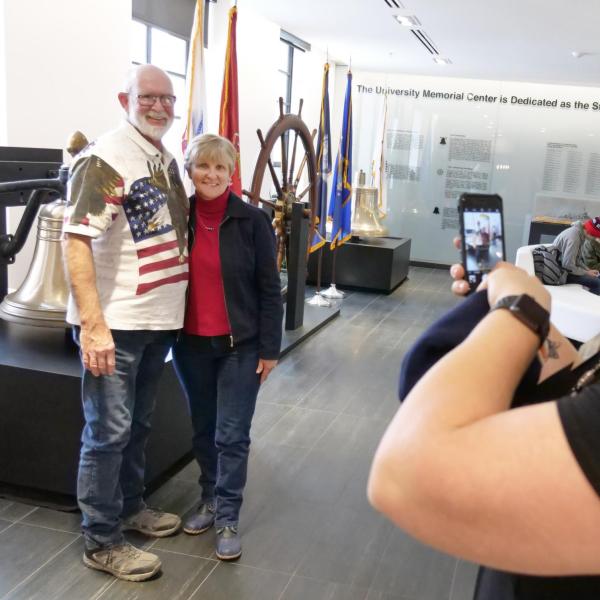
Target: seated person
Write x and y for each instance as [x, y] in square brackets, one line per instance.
[570, 243]
[516, 490]
[591, 245]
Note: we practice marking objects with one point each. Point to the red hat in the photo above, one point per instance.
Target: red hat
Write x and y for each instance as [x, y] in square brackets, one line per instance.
[592, 226]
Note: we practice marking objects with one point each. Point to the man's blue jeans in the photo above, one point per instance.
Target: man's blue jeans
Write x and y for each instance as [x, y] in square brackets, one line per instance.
[588, 281]
[221, 386]
[117, 411]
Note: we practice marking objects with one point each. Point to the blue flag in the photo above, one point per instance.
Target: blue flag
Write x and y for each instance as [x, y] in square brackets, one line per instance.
[340, 206]
[323, 165]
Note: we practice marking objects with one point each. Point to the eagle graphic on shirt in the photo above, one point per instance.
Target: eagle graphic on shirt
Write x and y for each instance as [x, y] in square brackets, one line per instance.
[156, 211]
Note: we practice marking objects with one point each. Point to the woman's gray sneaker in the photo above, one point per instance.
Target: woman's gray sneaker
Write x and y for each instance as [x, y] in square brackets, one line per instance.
[123, 561]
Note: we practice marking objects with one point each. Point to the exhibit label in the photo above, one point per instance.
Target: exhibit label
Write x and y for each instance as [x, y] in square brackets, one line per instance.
[463, 96]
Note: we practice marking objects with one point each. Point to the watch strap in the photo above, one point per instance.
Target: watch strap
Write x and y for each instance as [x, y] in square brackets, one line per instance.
[524, 308]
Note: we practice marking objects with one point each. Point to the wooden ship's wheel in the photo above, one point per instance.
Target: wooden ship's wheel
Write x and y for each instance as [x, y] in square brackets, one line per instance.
[286, 185]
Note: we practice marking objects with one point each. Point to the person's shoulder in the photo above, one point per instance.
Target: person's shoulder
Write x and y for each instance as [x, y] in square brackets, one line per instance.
[106, 146]
[108, 139]
[245, 208]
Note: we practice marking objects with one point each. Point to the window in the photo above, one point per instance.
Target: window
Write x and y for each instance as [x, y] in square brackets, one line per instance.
[290, 44]
[286, 71]
[149, 44]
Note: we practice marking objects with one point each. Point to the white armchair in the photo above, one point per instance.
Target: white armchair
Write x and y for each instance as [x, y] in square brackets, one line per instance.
[575, 311]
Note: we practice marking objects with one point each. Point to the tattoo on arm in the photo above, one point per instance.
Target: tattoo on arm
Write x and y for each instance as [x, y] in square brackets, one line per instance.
[552, 348]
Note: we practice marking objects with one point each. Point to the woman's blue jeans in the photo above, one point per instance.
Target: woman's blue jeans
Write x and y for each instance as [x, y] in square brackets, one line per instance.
[221, 386]
[117, 411]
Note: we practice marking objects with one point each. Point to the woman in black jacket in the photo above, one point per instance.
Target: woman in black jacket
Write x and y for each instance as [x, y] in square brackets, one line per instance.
[232, 333]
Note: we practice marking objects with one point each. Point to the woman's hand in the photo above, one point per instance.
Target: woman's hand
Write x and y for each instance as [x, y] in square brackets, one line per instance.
[265, 366]
[460, 287]
[508, 280]
[511, 281]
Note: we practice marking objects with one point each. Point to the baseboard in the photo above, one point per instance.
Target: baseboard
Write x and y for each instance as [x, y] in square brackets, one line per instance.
[430, 265]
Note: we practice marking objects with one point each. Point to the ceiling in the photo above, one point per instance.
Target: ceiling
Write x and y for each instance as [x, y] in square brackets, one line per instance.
[510, 40]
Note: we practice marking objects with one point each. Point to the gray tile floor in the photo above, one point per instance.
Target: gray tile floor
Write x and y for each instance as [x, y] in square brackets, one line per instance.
[308, 530]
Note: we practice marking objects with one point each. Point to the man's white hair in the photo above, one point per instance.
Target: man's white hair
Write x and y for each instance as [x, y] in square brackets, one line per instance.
[134, 73]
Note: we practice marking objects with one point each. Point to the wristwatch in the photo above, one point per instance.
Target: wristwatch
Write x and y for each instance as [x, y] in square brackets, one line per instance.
[529, 312]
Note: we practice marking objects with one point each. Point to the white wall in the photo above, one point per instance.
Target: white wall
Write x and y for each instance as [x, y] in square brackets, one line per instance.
[61, 66]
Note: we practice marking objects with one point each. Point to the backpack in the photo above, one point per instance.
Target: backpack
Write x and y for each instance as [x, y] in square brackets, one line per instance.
[547, 267]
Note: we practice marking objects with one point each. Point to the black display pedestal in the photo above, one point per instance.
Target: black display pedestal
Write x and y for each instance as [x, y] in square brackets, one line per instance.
[41, 420]
[539, 227]
[378, 264]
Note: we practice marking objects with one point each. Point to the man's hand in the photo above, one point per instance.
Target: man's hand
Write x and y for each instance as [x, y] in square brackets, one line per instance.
[264, 368]
[97, 349]
[593, 273]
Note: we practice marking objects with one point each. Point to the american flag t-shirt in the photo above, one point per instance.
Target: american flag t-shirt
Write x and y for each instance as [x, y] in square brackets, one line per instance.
[162, 257]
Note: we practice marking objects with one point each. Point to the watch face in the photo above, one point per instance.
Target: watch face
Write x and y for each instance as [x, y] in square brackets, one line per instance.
[531, 314]
[530, 309]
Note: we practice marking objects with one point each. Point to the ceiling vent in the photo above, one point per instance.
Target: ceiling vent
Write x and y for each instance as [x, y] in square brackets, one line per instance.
[394, 3]
[425, 40]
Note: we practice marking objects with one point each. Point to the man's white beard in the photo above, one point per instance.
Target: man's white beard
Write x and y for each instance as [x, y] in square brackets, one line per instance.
[154, 132]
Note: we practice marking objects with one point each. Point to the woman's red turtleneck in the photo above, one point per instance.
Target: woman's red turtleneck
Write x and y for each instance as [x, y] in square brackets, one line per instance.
[206, 313]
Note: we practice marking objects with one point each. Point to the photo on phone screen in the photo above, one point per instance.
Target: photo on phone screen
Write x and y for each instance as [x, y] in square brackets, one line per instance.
[482, 234]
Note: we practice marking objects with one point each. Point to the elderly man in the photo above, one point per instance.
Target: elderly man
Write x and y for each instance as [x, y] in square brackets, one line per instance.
[126, 257]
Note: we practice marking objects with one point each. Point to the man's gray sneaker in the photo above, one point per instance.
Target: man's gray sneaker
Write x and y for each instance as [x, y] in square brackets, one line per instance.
[123, 561]
[201, 521]
[229, 544]
[153, 523]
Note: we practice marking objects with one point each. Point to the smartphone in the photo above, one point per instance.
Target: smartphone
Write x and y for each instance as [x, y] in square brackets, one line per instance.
[481, 233]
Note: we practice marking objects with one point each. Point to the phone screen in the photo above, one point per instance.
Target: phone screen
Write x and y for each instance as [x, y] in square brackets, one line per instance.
[482, 234]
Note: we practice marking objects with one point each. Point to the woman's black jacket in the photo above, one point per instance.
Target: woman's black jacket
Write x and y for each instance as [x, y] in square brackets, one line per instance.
[250, 278]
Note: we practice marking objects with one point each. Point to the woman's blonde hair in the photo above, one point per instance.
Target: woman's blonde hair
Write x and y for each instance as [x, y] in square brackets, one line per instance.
[210, 147]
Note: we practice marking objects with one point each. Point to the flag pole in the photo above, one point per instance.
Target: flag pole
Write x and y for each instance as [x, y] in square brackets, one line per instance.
[323, 168]
[332, 292]
[318, 299]
[340, 206]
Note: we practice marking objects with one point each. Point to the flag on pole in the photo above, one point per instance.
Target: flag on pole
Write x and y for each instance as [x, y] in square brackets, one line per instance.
[378, 165]
[229, 121]
[340, 205]
[195, 83]
[323, 165]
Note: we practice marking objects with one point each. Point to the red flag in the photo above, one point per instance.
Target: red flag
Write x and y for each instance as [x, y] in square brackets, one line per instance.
[229, 121]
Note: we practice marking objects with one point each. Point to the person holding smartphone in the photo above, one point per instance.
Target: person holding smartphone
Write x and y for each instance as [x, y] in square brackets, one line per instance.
[515, 490]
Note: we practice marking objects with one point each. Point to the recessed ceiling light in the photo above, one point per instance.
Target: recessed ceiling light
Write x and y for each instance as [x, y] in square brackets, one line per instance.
[440, 60]
[408, 21]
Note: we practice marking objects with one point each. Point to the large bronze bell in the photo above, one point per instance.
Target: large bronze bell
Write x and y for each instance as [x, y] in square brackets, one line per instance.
[42, 297]
[41, 300]
[365, 219]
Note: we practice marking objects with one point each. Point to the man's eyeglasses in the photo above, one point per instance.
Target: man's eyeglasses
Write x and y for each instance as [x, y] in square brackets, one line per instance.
[150, 99]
